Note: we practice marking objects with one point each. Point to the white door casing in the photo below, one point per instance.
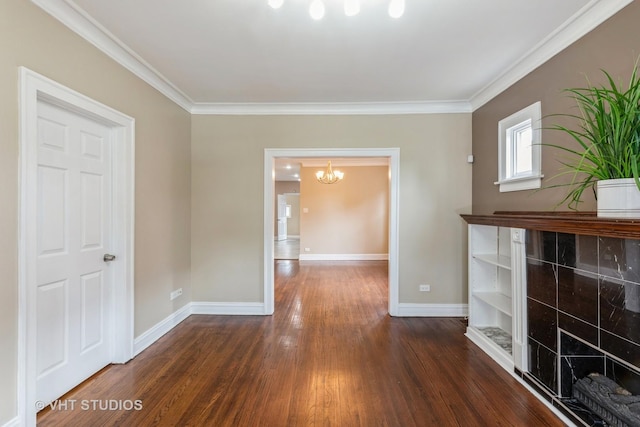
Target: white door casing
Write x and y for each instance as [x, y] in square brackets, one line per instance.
[73, 284]
[44, 247]
[270, 154]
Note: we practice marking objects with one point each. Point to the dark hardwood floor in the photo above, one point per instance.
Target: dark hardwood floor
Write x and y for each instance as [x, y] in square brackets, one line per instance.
[330, 356]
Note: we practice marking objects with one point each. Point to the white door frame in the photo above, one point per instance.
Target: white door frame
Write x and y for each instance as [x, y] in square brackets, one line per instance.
[269, 195]
[34, 88]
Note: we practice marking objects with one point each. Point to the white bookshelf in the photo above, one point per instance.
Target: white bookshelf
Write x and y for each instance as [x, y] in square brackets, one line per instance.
[496, 262]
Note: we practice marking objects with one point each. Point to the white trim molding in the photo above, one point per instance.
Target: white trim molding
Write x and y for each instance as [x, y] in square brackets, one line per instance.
[35, 88]
[344, 257]
[587, 18]
[228, 308]
[77, 20]
[161, 328]
[15, 422]
[334, 108]
[432, 310]
[270, 154]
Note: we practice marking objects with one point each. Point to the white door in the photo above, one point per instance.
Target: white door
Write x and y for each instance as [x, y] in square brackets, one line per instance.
[73, 284]
[282, 217]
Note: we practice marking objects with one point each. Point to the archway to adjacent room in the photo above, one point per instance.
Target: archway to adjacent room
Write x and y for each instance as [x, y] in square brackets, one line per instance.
[393, 154]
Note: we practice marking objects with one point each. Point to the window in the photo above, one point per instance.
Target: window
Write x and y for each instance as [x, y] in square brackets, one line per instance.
[519, 150]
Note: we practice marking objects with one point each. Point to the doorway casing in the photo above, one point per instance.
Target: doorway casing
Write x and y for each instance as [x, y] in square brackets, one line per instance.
[393, 154]
[35, 88]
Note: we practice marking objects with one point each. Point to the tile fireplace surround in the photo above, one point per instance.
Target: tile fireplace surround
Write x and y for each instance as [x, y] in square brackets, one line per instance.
[583, 302]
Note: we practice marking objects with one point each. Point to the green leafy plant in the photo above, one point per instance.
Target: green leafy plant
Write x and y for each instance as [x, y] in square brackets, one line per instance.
[608, 134]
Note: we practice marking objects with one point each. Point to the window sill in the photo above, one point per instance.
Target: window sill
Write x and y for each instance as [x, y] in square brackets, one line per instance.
[518, 184]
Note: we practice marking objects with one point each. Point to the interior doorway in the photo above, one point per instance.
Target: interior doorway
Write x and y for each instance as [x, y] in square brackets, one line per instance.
[393, 155]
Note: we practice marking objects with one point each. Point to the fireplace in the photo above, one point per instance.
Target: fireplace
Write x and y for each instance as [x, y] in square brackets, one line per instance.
[583, 315]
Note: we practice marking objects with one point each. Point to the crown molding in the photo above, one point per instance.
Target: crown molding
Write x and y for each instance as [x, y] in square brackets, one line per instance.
[71, 15]
[588, 18]
[332, 108]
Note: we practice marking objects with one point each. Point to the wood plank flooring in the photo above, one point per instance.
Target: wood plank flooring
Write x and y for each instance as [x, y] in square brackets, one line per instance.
[329, 356]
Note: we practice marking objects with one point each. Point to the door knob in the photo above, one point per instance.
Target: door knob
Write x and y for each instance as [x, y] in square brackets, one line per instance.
[108, 257]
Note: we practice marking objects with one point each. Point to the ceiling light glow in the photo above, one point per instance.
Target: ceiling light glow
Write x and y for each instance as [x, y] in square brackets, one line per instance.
[396, 8]
[351, 7]
[276, 4]
[316, 9]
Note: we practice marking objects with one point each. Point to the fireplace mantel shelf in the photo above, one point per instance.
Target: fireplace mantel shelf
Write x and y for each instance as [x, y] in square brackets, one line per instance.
[584, 223]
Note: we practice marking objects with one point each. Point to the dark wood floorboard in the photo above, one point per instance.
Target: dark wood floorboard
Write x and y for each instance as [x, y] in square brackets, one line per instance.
[329, 356]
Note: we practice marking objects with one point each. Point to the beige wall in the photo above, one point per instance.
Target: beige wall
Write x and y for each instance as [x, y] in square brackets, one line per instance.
[31, 38]
[435, 186]
[293, 224]
[612, 46]
[349, 217]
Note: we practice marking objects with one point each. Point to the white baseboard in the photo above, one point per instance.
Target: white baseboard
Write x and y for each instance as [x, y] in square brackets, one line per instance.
[228, 308]
[432, 310]
[152, 335]
[12, 423]
[344, 257]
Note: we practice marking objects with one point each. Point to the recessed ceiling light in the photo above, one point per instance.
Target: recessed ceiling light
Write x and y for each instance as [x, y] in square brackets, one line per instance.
[316, 9]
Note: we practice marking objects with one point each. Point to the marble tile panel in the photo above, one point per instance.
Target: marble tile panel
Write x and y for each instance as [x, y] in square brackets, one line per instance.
[578, 328]
[620, 308]
[619, 258]
[625, 350]
[542, 281]
[581, 252]
[578, 294]
[541, 245]
[542, 322]
[543, 365]
[569, 346]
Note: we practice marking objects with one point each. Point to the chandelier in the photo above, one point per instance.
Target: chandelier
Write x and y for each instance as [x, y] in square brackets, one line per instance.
[329, 176]
[351, 7]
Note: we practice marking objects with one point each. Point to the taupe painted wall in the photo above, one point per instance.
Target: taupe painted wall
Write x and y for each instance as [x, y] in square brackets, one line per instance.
[348, 217]
[613, 46]
[435, 186]
[293, 223]
[29, 37]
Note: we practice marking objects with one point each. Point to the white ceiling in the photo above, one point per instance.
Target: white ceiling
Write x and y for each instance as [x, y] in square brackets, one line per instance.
[243, 57]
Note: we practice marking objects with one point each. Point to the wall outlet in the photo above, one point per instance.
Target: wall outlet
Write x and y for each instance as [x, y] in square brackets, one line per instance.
[307, 249]
[425, 288]
[175, 294]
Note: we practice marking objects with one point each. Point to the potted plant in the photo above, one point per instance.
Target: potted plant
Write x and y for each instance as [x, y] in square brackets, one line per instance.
[608, 157]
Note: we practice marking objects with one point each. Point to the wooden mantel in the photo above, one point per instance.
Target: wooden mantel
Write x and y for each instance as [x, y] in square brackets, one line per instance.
[586, 223]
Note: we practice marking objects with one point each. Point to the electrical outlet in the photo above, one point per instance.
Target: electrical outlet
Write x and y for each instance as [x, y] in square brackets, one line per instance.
[307, 249]
[425, 288]
[175, 294]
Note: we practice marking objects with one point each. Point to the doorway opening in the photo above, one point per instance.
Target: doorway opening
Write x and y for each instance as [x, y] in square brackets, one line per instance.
[393, 155]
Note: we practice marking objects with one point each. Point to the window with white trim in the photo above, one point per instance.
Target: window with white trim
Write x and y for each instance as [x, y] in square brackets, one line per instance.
[519, 165]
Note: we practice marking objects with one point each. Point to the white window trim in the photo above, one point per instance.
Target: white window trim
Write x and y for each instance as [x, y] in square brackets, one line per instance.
[522, 182]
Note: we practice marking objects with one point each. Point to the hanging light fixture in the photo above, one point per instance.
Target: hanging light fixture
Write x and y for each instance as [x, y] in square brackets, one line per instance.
[329, 176]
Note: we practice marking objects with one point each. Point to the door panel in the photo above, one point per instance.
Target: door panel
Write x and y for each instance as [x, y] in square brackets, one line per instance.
[73, 233]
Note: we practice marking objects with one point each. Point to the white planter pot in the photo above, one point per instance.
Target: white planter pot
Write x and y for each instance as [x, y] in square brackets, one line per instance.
[618, 198]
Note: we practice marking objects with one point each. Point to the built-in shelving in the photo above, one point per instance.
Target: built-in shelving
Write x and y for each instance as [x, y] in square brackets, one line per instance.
[491, 288]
